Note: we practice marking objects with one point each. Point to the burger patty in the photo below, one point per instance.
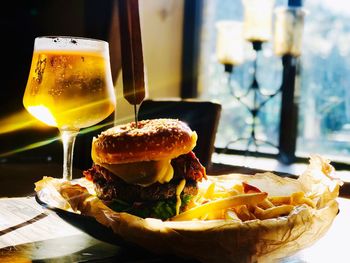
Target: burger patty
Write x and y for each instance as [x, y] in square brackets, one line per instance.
[188, 166]
[109, 187]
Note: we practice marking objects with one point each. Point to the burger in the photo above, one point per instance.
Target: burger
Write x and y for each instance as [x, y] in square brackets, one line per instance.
[146, 169]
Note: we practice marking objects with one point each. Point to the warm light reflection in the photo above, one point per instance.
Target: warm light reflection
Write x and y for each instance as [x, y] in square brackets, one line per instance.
[18, 121]
[43, 114]
[23, 120]
[29, 147]
[13, 124]
[15, 256]
[75, 117]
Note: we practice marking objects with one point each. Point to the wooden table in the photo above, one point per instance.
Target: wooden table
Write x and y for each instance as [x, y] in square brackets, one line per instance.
[55, 240]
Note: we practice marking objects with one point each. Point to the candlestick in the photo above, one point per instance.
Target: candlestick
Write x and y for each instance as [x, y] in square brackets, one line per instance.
[230, 43]
[259, 99]
[257, 29]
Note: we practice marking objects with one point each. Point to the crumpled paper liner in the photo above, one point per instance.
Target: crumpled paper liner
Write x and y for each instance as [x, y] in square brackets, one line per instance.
[218, 240]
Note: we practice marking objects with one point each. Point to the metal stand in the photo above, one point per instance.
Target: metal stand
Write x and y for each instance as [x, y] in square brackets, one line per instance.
[259, 100]
[289, 110]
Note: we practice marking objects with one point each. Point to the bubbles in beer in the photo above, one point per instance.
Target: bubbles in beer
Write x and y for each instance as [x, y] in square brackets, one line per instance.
[72, 86]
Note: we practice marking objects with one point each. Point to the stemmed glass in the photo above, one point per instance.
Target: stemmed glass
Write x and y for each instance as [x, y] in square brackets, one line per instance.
[69, 87]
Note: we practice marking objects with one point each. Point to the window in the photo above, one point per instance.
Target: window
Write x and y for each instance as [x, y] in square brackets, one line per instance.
[324, 104]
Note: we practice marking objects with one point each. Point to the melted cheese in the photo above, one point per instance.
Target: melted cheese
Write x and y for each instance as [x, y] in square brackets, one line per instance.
[141, 173]
[179, 190]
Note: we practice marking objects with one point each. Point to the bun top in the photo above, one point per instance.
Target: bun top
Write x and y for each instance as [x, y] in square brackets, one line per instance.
[152, 140]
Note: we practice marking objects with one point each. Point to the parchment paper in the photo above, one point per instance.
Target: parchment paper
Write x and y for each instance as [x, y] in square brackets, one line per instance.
[218, 240]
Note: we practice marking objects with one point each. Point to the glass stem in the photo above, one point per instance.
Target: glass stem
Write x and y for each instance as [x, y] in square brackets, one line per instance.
[68, 140]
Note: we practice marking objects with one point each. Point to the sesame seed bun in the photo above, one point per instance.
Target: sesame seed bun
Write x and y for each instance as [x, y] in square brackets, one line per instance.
[152, 140]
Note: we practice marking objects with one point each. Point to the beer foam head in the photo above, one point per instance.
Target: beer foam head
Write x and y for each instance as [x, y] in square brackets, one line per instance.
[70, 43]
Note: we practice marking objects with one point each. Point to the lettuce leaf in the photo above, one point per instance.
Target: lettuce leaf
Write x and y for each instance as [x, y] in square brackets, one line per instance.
[162, 209]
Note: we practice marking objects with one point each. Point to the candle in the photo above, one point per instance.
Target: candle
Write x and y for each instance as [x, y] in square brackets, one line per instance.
[288, 30]
[229, 42]
[258, 19]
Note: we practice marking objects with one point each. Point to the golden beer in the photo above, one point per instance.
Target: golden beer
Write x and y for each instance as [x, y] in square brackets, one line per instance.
[69, 88]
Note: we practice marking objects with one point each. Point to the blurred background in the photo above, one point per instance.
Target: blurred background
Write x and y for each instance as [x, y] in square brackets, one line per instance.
[180, 54]
[321, 90]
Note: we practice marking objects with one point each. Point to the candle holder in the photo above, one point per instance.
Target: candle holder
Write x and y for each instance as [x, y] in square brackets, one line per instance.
[259, 99]
[288, 26]
[256, 30]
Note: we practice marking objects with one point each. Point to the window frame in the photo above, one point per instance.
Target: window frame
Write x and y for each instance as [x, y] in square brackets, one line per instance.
[192, 21]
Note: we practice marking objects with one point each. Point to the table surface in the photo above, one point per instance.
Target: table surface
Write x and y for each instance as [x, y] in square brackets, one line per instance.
[29, 232]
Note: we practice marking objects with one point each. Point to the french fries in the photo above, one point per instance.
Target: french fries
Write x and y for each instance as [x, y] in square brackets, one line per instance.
[220, 204]
[273, 212]
[242, 202]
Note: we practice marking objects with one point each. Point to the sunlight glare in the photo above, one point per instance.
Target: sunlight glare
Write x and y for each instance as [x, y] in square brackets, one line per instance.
[42, 113]
[18, 121]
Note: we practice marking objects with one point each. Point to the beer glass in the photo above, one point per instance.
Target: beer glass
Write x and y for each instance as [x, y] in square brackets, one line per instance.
[69, 87]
